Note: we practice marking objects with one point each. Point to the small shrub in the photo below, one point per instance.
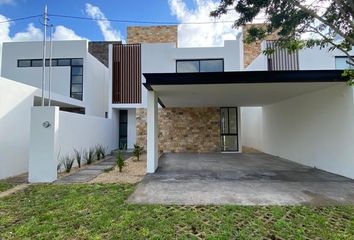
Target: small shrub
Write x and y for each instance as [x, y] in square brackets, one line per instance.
[138, 151]
[97, 153]
[100, 152]
[68, 162]
[59, 167]
[120, 161]
[78, 157]
[89, 156]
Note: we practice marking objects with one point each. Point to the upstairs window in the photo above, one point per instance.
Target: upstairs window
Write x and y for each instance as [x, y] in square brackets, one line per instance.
[342, 63]
[201, 65]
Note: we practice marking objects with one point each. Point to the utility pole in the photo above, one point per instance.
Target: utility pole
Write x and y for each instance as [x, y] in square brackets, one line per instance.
[50, 66]
[45, 18]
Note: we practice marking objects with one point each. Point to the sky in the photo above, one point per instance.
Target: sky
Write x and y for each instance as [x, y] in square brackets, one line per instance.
[180, 11]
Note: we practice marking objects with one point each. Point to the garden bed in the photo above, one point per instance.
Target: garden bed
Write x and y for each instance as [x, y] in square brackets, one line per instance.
[132, 172]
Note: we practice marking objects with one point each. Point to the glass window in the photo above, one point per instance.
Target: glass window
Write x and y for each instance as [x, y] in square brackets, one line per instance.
[76, 88]
[229, 143]
[211, 65]
[342, 63]
[224, 120]
[64, 62]
[76, 79]
[37, 63]
[187, 66]
[77, 96]
[24, 63]
[76, 71]
[77, 61]
[54, 62]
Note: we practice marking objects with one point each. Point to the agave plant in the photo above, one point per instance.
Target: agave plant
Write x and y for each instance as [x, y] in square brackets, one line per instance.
[78, 157]
[89, 156]
[68, 162]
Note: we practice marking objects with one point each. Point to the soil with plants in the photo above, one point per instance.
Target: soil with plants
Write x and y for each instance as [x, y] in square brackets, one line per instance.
[132, 172]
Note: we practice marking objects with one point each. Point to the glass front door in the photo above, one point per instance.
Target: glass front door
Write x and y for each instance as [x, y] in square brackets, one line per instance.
[229, 129]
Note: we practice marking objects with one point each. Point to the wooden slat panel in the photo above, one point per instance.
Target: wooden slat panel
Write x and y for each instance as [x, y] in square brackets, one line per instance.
[282, 59]
[126, 73]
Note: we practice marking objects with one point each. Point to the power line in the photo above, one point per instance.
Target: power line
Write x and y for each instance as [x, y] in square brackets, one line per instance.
[21, 18]
[135, 21]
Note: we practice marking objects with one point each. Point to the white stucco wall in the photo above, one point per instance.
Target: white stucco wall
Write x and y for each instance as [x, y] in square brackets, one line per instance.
[12, 51]
[82, 132]
[315, 129]
[131, 128]
[96, 75]
[95, 87]
[16, 100]
[251, 126]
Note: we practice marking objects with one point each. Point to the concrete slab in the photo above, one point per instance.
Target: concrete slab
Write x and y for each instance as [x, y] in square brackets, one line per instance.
[244, 179]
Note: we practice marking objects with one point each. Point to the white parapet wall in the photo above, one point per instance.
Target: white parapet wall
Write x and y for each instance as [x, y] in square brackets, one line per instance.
[315, 129]
[16, 100]
[67, 131]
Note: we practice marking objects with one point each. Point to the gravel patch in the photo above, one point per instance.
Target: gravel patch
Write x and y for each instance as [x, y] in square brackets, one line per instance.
[132, 172]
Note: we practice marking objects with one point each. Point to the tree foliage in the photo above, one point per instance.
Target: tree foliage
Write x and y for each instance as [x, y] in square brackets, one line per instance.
[298, 23]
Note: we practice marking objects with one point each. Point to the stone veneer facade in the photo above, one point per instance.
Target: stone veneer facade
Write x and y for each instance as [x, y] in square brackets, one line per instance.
[184, 129]
[152, 34]
[180, 129]
[252, 50]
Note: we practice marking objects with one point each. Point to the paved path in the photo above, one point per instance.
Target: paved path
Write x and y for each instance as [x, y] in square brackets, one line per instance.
[90, 172]
[245, 179]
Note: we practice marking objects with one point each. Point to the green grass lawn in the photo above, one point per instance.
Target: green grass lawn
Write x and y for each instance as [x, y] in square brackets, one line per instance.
[5, 186]
[99, 212]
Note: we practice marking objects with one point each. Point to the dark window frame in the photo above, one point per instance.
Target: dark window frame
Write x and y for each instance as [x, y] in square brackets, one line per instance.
[200, 60]
[228, 130]
[71, 65]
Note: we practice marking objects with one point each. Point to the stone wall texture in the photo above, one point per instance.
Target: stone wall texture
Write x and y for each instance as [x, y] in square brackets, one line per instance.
[152, 34]
[252, 50]
[184, 129]
[100, 50]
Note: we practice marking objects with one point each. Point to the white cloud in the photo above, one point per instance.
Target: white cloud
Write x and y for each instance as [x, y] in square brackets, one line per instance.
[31, 34]
[7, 2]
[107, 30]
[212, 34]
[63, 33]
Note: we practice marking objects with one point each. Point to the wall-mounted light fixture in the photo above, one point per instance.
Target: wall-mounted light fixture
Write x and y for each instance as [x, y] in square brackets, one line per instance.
[46, 124]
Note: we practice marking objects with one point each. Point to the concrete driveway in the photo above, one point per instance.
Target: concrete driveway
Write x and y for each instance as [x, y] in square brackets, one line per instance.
[244, 179]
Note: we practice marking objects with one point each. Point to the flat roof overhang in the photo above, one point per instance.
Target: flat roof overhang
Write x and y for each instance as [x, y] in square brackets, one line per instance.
[244, 88]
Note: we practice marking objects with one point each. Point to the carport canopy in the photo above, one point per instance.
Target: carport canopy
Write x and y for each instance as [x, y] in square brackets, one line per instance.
[243, 88]
[226, 89]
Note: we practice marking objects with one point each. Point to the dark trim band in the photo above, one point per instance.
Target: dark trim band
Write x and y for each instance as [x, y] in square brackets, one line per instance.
[243, 77]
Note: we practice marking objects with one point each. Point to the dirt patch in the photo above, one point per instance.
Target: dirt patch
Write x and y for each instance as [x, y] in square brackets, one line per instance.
[132, 172]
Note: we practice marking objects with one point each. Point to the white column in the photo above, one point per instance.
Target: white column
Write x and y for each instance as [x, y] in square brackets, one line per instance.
[152, 132]
[42, 166]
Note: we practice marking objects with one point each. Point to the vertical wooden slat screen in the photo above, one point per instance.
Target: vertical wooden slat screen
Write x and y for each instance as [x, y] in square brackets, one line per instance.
[126, 73]
[282, 59]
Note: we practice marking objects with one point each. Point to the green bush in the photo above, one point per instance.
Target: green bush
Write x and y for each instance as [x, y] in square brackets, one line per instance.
[100, 152]
[138, 151]
[89, 156]
[78, 157]
[68, 162]
[120, 161]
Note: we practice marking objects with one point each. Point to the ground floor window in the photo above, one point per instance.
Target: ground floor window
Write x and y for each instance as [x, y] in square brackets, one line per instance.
[229, 129]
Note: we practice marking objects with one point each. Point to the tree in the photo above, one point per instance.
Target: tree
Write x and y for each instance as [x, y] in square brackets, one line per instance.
[325, 23]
